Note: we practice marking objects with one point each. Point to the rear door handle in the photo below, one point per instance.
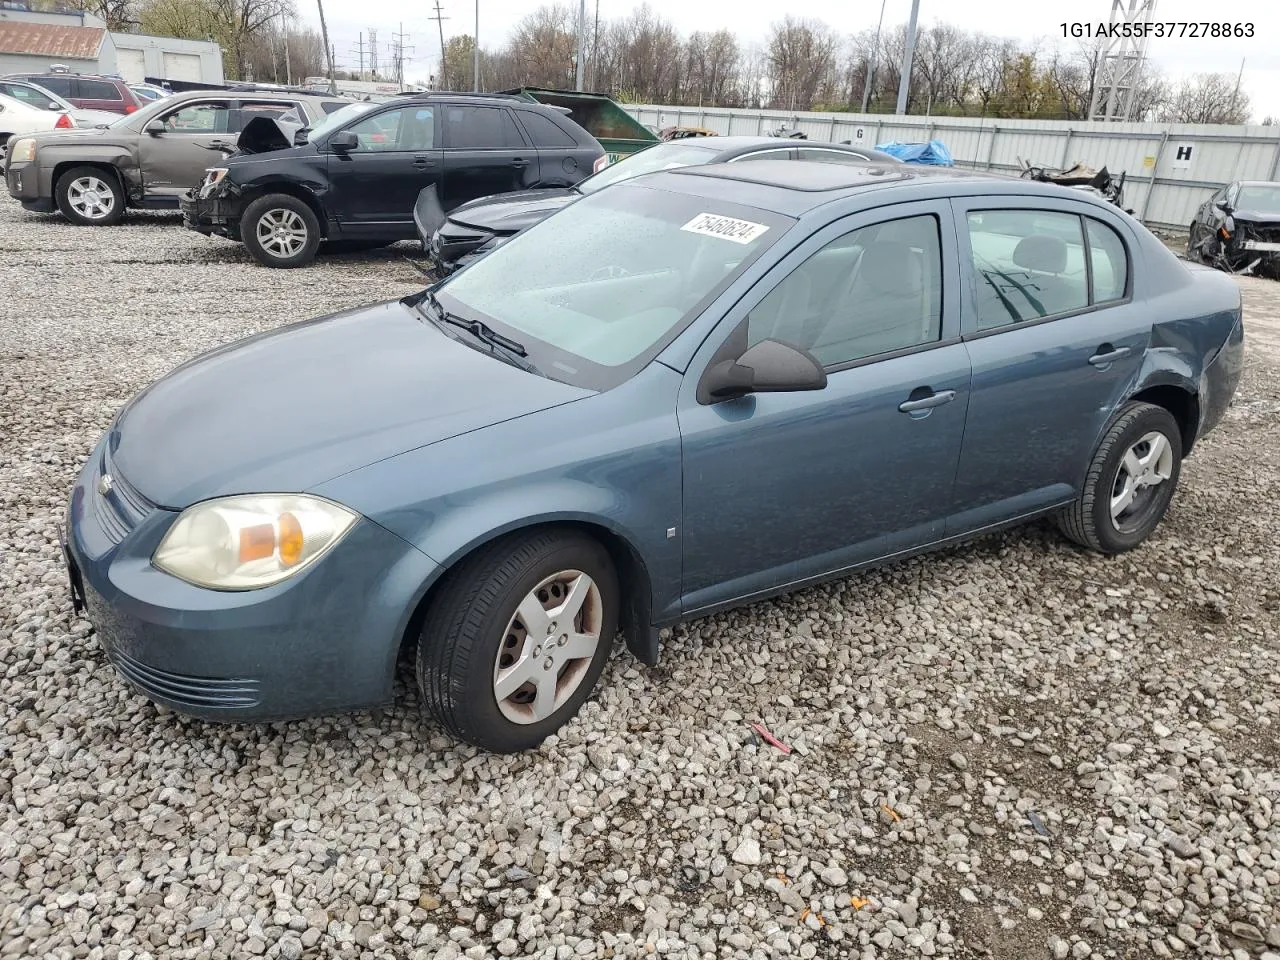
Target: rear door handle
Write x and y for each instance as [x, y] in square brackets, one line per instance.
[927, 402]
[519, 162]
[1108, 354]
[423, 161]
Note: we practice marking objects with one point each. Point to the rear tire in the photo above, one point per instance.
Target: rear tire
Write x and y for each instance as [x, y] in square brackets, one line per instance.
[280, 231]
[542, 607]
[1130, 482]
[90, 197]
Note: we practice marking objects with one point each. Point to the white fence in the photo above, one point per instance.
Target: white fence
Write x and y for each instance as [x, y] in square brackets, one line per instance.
[1170, 168]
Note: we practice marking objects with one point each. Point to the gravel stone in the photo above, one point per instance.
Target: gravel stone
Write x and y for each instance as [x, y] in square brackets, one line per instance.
[937, 709]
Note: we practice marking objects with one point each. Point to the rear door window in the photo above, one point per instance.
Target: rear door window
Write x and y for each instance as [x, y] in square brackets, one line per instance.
[97, 90]
[275, 109]
[1027, 264]
[480, 128]
[830, 156]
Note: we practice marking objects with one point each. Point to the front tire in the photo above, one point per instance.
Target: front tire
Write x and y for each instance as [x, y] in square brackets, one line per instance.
[1130, 482]
[90, 197]
[280, 231]
[517, 638]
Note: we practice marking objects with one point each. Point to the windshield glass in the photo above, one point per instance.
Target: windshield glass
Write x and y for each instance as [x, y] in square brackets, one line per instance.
[661, 156]
[1259, 198]
[339, 118]
[594, 292]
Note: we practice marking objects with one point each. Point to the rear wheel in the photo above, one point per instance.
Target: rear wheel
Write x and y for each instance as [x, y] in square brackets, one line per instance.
[1130, 481]
[280, 231]
[517, 638]
[90, 197]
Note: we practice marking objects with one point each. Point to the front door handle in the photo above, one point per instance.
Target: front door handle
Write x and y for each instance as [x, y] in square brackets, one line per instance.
[927, 402]
[1108, 355]
[423, 161]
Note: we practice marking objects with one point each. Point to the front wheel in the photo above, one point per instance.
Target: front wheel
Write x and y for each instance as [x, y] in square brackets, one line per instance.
[1130, 482]
[280, 231]
[90, 197]
[517, 638]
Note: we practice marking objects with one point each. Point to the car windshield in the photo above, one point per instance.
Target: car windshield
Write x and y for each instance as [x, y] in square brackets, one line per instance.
[1260, 198]
[594, 292]
[662, 156]
[338, 118]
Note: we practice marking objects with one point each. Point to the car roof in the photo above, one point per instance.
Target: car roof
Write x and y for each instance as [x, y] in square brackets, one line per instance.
[794, 187]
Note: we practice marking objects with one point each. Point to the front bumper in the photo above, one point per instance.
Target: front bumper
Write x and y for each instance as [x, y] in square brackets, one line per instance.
[453, 241]
[325, 641]
[22, 180]
[218, 215]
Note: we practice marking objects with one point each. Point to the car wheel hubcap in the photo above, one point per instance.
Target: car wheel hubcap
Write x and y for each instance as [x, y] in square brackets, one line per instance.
[282, 232]
[548, 647]
[1146, 465]
[91, 198]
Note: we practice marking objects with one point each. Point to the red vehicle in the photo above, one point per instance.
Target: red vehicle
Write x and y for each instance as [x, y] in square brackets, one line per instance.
[87, 92]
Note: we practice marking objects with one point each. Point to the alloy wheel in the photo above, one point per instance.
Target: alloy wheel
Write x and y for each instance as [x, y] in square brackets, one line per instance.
[1146, 465]
[281, 232]
[548, 646]
[91, 197]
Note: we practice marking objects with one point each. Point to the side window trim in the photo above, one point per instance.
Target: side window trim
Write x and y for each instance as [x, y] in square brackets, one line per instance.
[756, 154]
[963, 206]
[950, 332]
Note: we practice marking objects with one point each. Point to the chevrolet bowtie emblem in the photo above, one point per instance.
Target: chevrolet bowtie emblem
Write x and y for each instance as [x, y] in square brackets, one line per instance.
[105, 483]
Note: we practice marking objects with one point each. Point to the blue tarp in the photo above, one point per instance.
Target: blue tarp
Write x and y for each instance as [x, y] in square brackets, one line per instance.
[934, 152]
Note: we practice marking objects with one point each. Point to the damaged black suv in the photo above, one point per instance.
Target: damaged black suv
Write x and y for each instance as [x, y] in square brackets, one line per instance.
[350, 182]
[1238, 228]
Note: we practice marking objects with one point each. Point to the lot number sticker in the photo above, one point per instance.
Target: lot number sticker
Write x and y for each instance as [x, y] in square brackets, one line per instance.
[726, 228]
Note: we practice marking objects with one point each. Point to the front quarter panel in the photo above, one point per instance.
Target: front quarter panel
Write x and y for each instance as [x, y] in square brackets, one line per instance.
[121, 156]
[610, 459]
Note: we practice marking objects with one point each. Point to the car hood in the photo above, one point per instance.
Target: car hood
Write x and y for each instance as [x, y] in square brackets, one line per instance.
[1256, 216]
[111, 138]
[293, 407]
[511, 212]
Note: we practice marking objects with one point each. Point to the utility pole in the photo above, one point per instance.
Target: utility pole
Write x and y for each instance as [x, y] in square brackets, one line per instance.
[358, 50]
[595, 40]
[1235, 94]
[875, 60]
[399, 40]
[582, 38]
[373, 53]
[475, 54]
[328, 48]
[288, 70]
[904, 84]
[439, 18]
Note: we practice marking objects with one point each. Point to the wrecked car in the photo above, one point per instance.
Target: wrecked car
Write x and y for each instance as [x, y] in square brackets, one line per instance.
[1081, 176]
[1238, 229]
[351, 182]
[147, 159]
[475, 229]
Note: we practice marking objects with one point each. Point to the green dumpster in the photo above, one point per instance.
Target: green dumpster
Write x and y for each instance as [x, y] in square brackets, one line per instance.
[619, 133]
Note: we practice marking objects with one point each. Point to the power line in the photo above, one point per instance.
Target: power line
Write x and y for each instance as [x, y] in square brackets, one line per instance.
[373, 53]
[399, 54]
[359, 51]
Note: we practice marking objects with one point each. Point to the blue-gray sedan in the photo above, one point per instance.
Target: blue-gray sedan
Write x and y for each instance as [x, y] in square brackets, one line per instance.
[687, 392]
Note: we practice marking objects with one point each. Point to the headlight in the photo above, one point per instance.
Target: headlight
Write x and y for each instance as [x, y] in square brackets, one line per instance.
[22, 151]
[213, 175]
[247, 542]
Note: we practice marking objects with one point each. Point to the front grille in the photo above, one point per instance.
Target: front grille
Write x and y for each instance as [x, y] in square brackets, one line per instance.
[121, 509]
[199, 692]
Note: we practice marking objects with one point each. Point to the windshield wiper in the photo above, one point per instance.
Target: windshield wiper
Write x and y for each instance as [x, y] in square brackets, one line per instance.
[482, 332]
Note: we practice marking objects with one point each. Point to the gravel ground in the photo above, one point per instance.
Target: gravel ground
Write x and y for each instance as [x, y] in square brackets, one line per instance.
[1011, 750]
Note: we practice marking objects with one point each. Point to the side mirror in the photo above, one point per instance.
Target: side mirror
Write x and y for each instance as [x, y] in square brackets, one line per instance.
[771, 366]
[344, 141]
[301, 137]
[154, 127]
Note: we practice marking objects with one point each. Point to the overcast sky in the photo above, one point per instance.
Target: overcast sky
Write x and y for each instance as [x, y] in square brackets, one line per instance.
[750, 19]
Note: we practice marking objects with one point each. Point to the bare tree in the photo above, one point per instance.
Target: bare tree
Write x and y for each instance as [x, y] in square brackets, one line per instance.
[801, 57]
[1207, 98]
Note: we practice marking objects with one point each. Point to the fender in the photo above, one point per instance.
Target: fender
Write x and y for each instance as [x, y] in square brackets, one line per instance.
[119, 158]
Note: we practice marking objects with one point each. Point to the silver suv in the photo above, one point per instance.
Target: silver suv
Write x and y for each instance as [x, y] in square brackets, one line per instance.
[145, 159]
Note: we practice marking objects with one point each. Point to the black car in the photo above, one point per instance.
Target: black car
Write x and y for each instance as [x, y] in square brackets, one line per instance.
[1238, 228]
[352, 180]
[473, 229]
